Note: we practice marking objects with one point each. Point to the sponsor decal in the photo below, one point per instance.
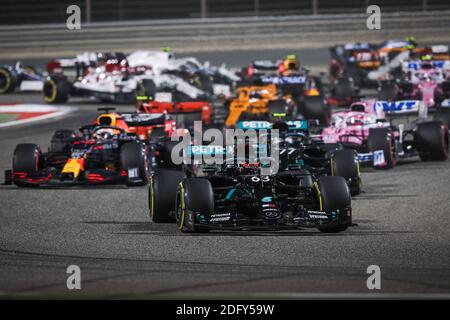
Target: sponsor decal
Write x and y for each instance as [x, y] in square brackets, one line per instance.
[378, 158]
[397, 106]
[318, 217]
[271, 213]
[267, 199]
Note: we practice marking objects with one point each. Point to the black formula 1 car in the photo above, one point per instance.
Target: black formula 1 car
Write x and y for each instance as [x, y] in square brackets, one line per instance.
[100, 154]
[239, 197]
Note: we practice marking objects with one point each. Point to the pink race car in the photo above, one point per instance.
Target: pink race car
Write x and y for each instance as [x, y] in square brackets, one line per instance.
[366, 128]
[428, 81]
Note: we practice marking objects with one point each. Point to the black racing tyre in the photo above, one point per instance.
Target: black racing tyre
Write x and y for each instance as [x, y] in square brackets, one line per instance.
[205, 83]
[219, 114]
[381, 139]
[446, 87]
[133, 159]
[31, 69]
[157, 135]
[146, 87]
[166, 155]
[335, 195]
[189, 118]
[61, 140]
[387, 92]
[9, 80]
[343, 88]
[56, 90]
[443, 115]
[355, 74]
[432, 141]
[162, 194]
[26, 159]
[195, 196]
[315, 108]
[344, 163]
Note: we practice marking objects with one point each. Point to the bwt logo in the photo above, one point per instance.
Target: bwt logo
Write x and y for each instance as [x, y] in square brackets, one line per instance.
[395, 106]
[73, 21]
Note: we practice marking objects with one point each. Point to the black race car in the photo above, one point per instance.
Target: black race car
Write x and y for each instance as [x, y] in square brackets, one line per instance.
[239, 197]
[299, 149]
[306, 191]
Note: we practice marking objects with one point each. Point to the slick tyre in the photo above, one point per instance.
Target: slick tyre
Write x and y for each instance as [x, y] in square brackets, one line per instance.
[354, 73]
[205, 83]
[9, 80]
[381, 139]
[334, 196]
[147, 88]
[162, 194]
[133, 159]
[166, 161]
[157, 135]
[56, 90]
[344, 163]
[432, 141]
[278, 108]
[195, 196]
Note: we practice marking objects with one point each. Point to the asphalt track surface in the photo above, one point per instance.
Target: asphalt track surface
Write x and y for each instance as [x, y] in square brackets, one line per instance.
[402, 219]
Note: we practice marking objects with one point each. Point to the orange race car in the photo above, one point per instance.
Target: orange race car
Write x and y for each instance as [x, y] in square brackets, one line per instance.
[258, 102]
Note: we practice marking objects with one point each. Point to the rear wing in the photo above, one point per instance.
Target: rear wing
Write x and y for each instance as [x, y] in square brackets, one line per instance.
[284, 80]
[401, 108]
[405, 112]
[265, 64]
[292, 125]
[144, 119]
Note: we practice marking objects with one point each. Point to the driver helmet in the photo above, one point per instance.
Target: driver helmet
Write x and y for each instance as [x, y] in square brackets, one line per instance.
[106, 133]
[281, 125]
[289, 64]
